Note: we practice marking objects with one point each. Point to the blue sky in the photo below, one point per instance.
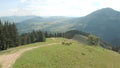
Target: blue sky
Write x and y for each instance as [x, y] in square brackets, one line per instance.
[54, 7]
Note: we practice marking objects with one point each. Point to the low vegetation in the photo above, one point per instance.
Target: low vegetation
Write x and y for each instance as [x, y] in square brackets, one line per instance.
[49, 40]
[94, 40]
[77, 55]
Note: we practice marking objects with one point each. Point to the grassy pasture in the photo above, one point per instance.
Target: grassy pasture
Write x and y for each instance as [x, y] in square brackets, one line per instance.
[77, 55]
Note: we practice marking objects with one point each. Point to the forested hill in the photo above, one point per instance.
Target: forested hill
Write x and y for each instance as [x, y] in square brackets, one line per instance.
[9, 36]
[103, 22]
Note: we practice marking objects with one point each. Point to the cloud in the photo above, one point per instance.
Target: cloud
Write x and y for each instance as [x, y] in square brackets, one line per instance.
[62, 7]
[23, 1]
[18, 12]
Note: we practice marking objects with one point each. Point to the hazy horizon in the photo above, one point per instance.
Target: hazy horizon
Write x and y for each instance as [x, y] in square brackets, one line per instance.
[68, 8]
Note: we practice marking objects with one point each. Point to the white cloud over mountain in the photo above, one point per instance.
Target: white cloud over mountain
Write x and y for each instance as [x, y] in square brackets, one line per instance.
[61, 7]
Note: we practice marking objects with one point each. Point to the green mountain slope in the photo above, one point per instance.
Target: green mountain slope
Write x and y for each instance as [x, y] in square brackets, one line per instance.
[77, 55]
[47, 24]
[86, 38]
[104, 23]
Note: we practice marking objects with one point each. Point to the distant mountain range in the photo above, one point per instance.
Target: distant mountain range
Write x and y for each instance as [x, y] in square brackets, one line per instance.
[104, 23]
[15, 19]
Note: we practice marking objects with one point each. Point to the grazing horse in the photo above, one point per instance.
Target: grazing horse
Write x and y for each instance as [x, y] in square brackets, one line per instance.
[63, 43]
[66, 43]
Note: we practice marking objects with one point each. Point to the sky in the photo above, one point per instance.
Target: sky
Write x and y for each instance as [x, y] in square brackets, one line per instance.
[72, 8]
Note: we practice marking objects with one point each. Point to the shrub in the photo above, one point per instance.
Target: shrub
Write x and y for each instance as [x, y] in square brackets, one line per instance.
[93, 40]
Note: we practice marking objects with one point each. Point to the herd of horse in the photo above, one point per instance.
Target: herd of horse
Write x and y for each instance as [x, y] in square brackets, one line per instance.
[66, 43]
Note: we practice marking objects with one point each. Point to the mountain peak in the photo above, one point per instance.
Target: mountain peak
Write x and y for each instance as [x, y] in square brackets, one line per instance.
[107, 8]
[104, 12]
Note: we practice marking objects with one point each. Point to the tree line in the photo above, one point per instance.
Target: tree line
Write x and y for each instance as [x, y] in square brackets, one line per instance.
[9, 36]
[37, 36]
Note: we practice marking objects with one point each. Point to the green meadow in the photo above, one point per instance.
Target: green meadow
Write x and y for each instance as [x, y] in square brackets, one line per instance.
[77, 55]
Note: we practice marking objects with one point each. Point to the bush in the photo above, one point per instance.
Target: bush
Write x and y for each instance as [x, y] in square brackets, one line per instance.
[93, 40]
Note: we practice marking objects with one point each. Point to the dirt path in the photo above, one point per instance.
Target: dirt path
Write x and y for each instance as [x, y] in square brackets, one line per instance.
[8, 60]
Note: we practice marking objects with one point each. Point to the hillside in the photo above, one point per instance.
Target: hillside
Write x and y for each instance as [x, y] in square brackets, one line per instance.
[51, 24]
[103, 22]
[54, 24]
[87, 38]
[77, 55]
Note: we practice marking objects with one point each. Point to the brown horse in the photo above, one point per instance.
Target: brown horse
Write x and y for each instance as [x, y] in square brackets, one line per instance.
[66, 43]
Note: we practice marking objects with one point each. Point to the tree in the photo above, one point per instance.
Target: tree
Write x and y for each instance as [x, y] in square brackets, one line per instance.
[94, 40]
[43, 39]
[9, 36]
[15, 35]
[1, 35]
[46, 34]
